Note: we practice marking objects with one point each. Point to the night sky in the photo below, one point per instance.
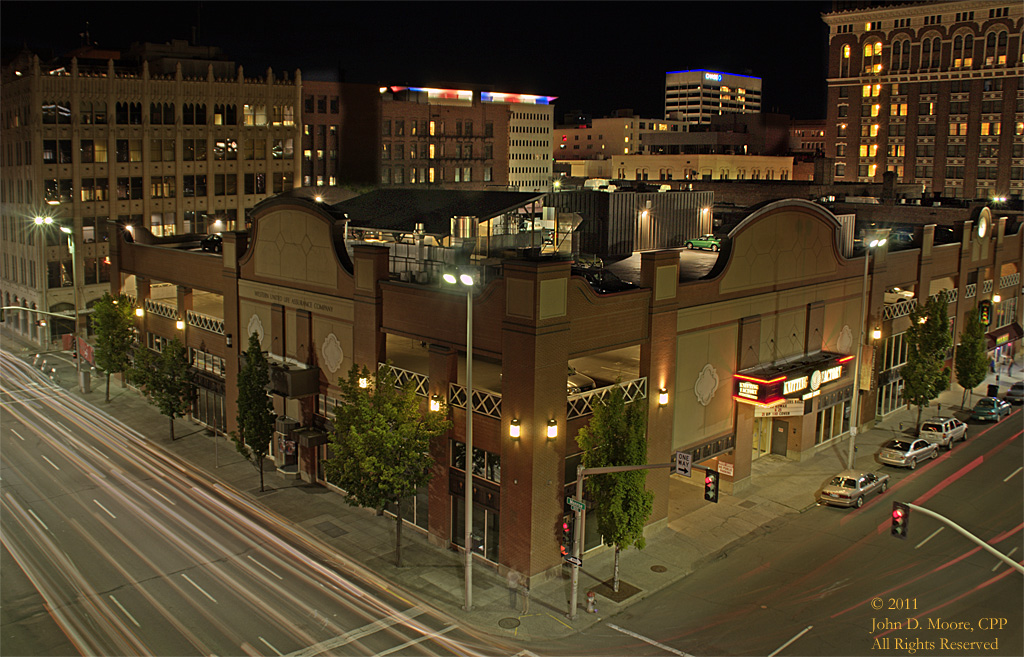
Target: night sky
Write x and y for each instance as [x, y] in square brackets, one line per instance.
[594, 56]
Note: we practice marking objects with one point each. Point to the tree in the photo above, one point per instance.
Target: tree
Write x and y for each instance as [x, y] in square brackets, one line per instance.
[255, 410]
[925, 374]
[617, 435]
[165, 379]
[115, 335]
[381, 443]
[971, 355]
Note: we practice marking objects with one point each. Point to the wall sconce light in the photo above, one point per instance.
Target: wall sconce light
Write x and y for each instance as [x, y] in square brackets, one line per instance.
[180, 325]
[364, 382]
[227, 339]
[876, 334]
[996, 298]
[139, 312]
[552, 429]
[514, 430]
[662, 397]
[435, 403]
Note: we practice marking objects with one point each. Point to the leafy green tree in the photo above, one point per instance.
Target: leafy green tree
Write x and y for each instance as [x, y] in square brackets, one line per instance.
[381, 443]
[165, 379]
[255, 410]
[617, 435]
[115, 335]
[925, 374]
[971, 356]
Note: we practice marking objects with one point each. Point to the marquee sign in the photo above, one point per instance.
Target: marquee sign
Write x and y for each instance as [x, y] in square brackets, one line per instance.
[801, 383]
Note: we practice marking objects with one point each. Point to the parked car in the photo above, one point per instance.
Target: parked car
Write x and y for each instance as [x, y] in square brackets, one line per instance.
[577, 383]
[603, 281]
[704, 242]
[990, 409]
[1015, 395]
[906, 453]
[895, 295]
[943, 431]
[850, 487]
[212, 242]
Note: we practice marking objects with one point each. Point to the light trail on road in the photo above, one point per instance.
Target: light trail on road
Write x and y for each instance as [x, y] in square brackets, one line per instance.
[133, 553]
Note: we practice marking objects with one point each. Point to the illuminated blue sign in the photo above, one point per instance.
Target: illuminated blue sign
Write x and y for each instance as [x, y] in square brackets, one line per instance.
[717, 77]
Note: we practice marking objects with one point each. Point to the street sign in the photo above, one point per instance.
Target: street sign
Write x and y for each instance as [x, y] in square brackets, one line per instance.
[576, 561]
[575, 505]
[683, 462]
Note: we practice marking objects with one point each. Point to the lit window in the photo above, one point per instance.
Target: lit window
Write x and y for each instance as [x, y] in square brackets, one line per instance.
[432, 128]
[872, 169]
[846, 51]
[874, 130]
[873, 151]
[867, 49]
[866, 91]
[877, 68]
[863, 150]
[876, 90]
[432, 148]
[874, 109]
[984, 129]
[878, 47]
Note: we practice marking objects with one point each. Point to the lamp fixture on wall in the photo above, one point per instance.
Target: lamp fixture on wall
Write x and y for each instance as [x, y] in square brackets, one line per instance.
[662, 397]
[552, 429]
[180, 325]
[364, 382]
[435, 403]
[514, 430]
[139, 312]
[227, 339]
[876, 334]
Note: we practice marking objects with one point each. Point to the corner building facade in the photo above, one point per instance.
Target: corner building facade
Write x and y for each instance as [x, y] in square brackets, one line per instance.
[783, 301]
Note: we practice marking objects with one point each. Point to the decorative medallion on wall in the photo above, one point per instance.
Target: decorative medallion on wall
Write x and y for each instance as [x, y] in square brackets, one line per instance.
[255, 326]
[333, 353]
[845, 341]
[706, 385]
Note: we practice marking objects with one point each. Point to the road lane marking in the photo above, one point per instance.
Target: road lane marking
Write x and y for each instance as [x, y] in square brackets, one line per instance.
[1004, 480]
[414, 641]
[264, 567]
[356, 634]
[932, 535]
[50, 462]
[61, 424]
[650, 641]
[784, 645]
[105, 509]
[267, 644]
[189, 580]
[164, 496]
[1000, 562]
[39, 520]
[23, 440]
[125, 611]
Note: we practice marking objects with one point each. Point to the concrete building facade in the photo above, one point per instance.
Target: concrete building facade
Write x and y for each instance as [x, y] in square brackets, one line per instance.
[696, 96]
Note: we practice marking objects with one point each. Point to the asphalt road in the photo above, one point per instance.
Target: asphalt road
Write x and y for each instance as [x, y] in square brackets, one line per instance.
[833, 581]
[131, 553]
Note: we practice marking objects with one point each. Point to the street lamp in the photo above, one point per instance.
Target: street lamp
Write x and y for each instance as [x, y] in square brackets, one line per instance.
[861, 333]
[467, 282]
[46, 221]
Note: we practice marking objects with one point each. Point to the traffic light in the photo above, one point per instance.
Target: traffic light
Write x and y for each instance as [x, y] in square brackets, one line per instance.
[985, 312]
[711, 485]
[900, 518]
[567, 531]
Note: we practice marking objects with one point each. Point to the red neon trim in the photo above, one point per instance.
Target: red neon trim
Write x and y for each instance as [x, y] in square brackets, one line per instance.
[751, 378]
[845, 359]
[754, 402]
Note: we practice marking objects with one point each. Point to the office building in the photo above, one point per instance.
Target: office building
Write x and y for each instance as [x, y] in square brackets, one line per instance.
[696, 96]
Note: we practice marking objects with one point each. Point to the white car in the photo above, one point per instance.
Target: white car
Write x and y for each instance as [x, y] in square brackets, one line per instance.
[895, 295]
[943, 431]
[906, 453]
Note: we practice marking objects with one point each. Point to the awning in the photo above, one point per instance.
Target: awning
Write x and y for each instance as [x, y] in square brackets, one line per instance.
[1005, 335]
[799, 378]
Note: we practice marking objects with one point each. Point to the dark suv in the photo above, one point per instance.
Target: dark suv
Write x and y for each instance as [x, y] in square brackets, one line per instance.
[603, 281]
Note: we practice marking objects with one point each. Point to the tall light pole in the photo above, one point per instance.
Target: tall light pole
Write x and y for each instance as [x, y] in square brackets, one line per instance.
[861, 333]
[69, 233]
[467, 282]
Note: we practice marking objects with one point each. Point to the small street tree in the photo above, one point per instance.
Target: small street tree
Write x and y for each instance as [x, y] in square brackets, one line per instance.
[925, 374]
[381, 443]
[165, 379]
[255, 410]
[971, 356]
[617, 435]
[115, 335]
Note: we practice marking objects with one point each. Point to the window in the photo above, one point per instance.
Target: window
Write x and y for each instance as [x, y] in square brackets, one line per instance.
[255, 183]
[225, 184]
[225, 115]
[93, 112]
[161, 114]
[193, 114]
[254, 114]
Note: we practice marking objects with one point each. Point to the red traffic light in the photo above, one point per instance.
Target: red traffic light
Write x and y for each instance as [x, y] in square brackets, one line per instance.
[897, 514]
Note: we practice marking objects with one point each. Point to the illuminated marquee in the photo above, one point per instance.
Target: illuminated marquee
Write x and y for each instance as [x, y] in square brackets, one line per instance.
[717, 77]
[798, 384]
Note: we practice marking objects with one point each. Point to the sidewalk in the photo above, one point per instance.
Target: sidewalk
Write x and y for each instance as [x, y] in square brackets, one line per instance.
[696, 532]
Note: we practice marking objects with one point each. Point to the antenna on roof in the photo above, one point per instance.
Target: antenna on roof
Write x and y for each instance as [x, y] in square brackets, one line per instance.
[85, 35]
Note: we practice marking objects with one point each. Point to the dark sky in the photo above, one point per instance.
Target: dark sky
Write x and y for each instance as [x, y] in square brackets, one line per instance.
[596, 56]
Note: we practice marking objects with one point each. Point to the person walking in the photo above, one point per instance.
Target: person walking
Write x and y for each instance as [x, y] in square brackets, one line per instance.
[513, 589]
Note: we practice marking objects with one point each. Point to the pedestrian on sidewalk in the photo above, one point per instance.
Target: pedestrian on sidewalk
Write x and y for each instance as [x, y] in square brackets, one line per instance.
[513, 589]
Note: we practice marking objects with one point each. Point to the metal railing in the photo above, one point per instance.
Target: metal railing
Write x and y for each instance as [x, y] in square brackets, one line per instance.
[422, 381]
[161, 309]
[485, 402]
[971, 290]
[582, 404]
[986, 287]
[1010, 280]
[205, 322]
[899, 309]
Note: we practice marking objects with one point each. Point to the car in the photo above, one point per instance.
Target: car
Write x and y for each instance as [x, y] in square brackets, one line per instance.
[704, 242]
[603, 281]
[906, 453]
[576, 383]
[1015, 395]
[212, 242]
[850, 487]
[990, 409]
[943, 431]
[895, 295]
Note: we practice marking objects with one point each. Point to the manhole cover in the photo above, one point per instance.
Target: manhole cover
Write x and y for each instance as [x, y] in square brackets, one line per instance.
[658, 569]
[509, 623]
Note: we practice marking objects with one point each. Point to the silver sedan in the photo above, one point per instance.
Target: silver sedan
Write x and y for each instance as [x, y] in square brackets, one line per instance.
[906, 453]
[850, 487]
